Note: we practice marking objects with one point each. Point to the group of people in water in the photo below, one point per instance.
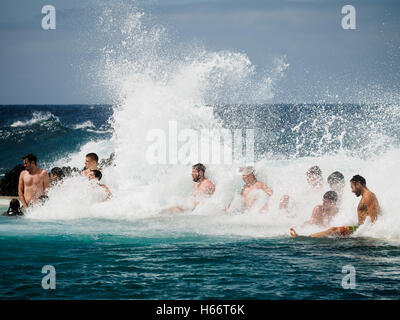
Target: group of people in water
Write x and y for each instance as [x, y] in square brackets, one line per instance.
[322, 214]
[33, 183]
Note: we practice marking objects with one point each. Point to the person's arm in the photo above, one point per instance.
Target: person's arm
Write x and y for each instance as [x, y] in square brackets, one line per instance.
[109, 195]
[316, 216]
[46, 180]
[284, 202]
[21, 189]
[210, 188]
[373, 208]
[267, 190]
[175, 209]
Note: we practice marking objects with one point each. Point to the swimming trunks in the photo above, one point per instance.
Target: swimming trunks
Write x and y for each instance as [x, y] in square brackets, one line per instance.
[347, 230]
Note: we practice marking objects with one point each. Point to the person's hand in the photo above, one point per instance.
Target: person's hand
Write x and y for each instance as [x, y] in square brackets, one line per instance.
[284, 202]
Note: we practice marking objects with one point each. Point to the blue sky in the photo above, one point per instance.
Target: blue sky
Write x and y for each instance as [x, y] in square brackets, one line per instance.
[327, 63]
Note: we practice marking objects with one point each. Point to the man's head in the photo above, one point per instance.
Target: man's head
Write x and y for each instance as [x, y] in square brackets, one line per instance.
[14, 205]
[91, 161]
[248, 175]
[357, 183]
[95, 174]
[329, 199]
[30, 161]
[336, 180]
[56, 174]
[198, 171]
[314, 176]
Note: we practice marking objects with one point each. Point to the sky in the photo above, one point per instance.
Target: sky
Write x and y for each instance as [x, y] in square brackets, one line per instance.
[326, 62]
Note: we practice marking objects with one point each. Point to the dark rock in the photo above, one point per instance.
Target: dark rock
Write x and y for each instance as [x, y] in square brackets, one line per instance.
[68, 171]
[107, 162]
[9, 183]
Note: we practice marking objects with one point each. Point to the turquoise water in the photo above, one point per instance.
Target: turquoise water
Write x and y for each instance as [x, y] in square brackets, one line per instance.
[114, 259]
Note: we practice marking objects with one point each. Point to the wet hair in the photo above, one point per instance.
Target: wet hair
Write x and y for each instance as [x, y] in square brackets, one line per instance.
[31, 158]
[247, 170]
[358, 178]
[199, 167]
[58, 172]
[97, 174]
[314, 171]
[15, 207]
[93, 156]
[331, 195]
[336, 178]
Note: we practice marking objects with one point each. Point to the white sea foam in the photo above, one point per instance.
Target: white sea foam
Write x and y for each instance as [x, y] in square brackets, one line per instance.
[37, 117]
[84, 125]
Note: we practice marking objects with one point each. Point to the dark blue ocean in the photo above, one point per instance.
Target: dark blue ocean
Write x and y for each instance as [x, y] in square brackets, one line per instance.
[168, 257]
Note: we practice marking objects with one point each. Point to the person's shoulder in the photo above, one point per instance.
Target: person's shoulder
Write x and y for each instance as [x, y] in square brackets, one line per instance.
[370, 196]
[43, 172]
[23, 174]
[317, 208]
[260, 185]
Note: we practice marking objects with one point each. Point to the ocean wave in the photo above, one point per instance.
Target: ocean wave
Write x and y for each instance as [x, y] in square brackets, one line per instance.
[84, 125]
[37, 117]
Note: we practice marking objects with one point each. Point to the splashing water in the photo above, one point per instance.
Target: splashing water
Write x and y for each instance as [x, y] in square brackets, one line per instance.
[156, 81]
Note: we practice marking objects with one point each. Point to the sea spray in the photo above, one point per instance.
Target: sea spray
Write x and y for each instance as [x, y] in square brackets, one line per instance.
[155, 84]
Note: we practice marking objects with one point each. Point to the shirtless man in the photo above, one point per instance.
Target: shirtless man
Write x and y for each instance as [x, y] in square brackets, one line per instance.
[368, 207]
[97, 175]
[91, 163]
[250, 185]
[323, 214]
[33, 181]
[202, 187]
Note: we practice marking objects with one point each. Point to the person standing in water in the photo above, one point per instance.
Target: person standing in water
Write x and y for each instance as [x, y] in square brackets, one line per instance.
[91, 163]
[97, 175]
[33, 182]
[202, 187]
[367, 207]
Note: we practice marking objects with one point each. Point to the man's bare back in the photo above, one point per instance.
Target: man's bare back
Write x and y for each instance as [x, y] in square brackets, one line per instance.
[368, 207]
[321, 216]
[205, 188]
